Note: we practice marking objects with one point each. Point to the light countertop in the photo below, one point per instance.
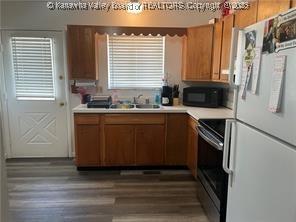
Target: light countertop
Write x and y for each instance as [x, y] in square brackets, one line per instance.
[195, 112]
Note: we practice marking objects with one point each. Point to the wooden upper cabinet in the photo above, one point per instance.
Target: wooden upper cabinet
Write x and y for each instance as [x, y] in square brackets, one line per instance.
[269, 8]
[176, 139]
[293, 3]
[197, 53]
[244, 18]
[150, 140]
[218, 31]
[87, 139]
[82, 52]
[228, 23]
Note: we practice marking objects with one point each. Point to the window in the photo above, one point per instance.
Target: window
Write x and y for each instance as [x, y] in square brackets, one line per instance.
[135, 61]
[33, 68]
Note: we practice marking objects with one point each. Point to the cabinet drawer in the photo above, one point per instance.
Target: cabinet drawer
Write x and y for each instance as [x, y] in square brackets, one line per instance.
[134, 119]
[87, 119]
[192, 123]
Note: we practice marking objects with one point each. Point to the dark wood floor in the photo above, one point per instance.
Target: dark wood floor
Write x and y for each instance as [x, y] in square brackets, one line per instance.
[53, 191]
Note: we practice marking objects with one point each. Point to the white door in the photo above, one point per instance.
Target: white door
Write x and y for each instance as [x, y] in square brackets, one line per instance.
[35, 83]
[264, 178]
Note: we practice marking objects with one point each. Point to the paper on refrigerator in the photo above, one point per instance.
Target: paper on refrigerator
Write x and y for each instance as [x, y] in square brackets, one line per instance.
[277, 83]
[256, 69]
[246, 75]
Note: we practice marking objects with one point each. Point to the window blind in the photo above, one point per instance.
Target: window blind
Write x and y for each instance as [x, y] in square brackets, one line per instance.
[33, 67]
[135, 61]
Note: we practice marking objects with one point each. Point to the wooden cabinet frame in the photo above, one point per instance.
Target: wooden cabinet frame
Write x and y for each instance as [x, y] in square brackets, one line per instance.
[154, 127]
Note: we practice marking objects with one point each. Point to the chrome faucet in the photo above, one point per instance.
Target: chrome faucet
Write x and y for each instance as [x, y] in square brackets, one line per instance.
[136, 99]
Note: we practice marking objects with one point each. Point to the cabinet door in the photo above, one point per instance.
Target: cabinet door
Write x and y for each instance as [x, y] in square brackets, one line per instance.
[293, 3]
[226, 44]
[87, 140]
[192, 147]
[119, 145]
[176, 139]
[150, 141]
[82, 62]
[244, 18]
[218, 30]
[269, 8]
[198, 53]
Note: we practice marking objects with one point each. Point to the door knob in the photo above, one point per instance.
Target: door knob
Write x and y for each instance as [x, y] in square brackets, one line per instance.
[62, 103]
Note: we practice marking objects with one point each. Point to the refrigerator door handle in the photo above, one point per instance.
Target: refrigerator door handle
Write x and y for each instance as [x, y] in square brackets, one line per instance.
[226, 151]
[233, 55]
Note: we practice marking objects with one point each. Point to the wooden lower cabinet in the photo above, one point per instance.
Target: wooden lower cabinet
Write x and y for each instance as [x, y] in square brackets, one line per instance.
[150, 140]
[87, 142]
[192, 146]
[130, 140]
[120, 145]
[176, 139]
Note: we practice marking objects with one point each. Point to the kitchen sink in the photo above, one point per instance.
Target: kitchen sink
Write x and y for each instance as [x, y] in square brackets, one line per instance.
[147, 106]
[122, 106]
[137, 106]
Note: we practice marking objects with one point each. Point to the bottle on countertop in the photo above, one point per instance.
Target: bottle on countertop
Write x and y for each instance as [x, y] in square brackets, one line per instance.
[157, 97]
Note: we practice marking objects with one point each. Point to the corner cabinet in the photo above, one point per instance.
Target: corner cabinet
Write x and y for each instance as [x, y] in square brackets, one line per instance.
[87, 140]
[176, 139]
[197, 54]
[82, 52]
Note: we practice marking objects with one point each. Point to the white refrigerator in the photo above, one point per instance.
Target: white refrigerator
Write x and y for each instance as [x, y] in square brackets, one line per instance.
[260, 145]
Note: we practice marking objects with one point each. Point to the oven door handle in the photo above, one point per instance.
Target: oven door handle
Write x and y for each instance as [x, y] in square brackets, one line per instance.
[210, 139]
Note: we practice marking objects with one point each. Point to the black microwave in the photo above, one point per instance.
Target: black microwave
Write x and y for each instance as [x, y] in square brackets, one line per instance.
[202, 96]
